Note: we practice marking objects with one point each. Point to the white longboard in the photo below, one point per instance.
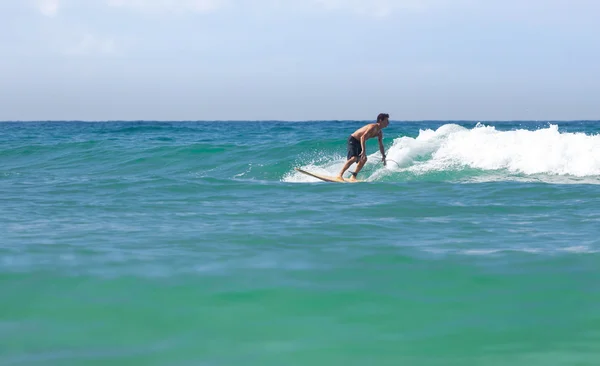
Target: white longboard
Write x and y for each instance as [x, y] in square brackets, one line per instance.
[327, 178]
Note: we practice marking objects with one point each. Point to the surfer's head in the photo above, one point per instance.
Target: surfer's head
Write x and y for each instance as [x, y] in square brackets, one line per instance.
[383, 119]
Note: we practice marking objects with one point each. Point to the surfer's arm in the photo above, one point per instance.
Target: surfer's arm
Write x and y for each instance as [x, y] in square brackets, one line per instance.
[380, 138]
[381, 148]
[363, 145]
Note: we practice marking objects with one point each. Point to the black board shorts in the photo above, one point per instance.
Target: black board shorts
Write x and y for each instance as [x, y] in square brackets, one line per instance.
[354, 148]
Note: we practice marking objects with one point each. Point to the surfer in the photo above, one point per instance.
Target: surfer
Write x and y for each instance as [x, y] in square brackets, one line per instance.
[357, 144]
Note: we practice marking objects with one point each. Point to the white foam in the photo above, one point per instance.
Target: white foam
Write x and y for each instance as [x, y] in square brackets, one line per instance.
[545, 151]
[543, 155]
[487, 252]
[325, 166]
[582, 249]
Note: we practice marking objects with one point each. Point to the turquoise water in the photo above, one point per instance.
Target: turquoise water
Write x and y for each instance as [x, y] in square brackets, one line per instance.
[198, 244]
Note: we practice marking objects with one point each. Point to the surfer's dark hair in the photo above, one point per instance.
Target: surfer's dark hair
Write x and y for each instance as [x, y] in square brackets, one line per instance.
[382, 116]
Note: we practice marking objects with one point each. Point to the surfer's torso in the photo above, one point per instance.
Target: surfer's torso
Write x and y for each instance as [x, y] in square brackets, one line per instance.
[368, 131]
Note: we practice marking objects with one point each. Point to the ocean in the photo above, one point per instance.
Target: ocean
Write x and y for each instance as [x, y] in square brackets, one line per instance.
[197, 243]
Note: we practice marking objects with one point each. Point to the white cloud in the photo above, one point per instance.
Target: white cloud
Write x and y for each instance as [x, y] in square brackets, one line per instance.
[362, 7]
[378, 8]
[90, 44]
[48, 7]
[199, 6]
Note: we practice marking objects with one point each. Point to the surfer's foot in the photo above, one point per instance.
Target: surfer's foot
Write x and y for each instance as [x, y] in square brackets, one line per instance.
[353, 176]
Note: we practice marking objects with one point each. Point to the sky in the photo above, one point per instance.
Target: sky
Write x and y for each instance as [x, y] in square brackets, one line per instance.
[97, 60]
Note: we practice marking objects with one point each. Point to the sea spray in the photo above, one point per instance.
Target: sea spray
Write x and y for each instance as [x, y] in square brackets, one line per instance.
[483, 151]
[543, 151]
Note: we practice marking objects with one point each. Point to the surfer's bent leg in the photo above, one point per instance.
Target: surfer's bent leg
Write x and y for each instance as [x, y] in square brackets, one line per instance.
[361, 163]
[350, 161]
[354, 150]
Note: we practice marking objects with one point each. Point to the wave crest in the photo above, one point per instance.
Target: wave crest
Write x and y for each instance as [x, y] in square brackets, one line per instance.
[543, 151]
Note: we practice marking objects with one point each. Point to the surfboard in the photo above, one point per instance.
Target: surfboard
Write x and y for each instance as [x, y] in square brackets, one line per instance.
[327, 178]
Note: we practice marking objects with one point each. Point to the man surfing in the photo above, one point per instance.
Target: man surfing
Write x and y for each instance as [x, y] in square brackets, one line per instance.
[357, 144]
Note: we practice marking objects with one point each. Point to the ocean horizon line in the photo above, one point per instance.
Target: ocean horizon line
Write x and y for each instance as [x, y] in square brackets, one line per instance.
[301, 121]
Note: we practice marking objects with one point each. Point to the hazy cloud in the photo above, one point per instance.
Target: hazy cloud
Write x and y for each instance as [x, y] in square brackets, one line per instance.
[48, 7]
[375, 7]
[90, 44]
[200, 6]
[364, 7]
